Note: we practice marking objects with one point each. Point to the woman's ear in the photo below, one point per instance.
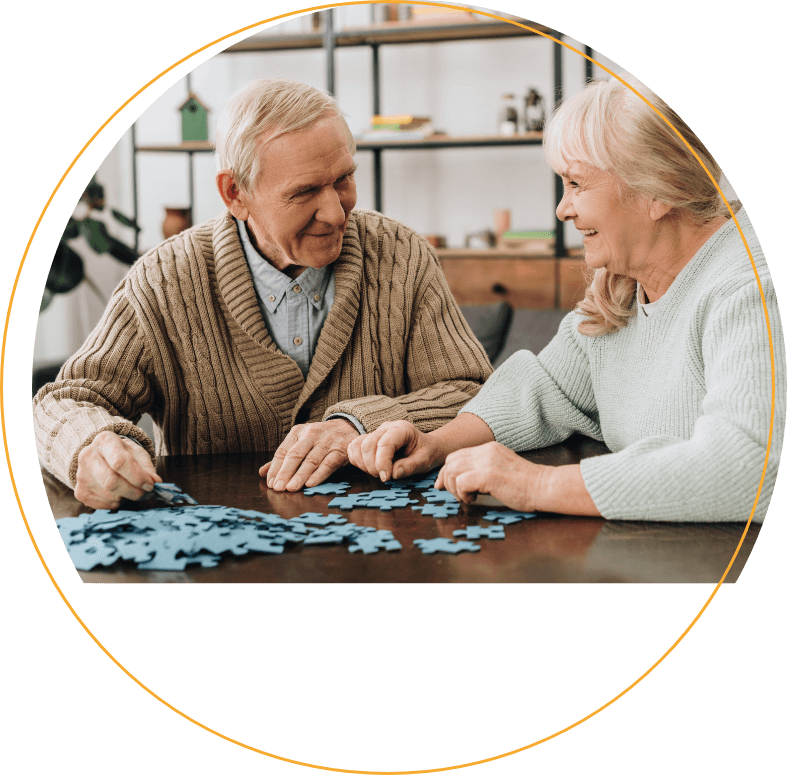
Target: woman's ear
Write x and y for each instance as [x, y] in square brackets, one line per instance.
[658, 209]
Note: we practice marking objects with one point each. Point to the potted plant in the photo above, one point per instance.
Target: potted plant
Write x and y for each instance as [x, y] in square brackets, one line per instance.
[68, 268]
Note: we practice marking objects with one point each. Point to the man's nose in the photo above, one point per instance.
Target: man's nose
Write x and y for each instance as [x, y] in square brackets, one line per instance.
[330, 209]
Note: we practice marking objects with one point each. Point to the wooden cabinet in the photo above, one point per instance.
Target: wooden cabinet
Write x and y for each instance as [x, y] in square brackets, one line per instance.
[524, 281]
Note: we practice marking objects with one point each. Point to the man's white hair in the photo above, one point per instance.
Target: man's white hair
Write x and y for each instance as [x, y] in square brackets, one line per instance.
[267, 108]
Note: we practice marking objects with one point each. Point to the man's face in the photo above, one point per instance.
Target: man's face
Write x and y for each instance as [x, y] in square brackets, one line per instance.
[299, 209]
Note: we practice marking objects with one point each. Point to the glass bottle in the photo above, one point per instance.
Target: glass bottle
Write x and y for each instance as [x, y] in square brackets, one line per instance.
[533, 114]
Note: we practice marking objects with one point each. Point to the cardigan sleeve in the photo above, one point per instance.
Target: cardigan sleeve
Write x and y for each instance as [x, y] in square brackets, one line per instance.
[720, 471]
[444, 363]
[103, 387]
[535, 401]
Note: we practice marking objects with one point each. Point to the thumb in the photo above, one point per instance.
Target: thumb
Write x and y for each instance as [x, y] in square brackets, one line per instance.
[416, 463]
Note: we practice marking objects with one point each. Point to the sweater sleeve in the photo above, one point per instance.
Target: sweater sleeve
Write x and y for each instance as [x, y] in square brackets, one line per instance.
[444, 363]
[535, 401]
[103, 387]
[716, 474]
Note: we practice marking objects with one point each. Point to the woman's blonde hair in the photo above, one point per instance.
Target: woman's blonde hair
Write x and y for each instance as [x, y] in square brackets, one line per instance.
[609, 127]
[270, 107]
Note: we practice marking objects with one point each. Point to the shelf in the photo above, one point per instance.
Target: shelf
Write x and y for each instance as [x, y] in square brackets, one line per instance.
[447, 141]
[493, 253]
[436, 141]
[196, 146]
[389, 33]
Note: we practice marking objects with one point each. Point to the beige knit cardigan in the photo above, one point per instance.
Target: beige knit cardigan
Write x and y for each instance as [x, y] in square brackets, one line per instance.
[183, 339]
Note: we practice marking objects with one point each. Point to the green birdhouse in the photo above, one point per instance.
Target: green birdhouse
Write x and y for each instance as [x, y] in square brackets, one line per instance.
[194, 120]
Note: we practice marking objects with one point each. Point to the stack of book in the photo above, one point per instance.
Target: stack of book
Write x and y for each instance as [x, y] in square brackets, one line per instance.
[528, 241]
[402, 127]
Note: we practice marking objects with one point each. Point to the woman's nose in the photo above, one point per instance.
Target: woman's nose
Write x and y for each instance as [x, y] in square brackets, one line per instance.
[565, 209]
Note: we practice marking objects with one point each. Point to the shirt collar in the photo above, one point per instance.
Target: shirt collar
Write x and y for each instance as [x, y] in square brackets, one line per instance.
[272, 285]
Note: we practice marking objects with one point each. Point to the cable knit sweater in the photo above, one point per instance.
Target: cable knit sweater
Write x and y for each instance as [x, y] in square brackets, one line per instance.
[681, 395]
[183, 339]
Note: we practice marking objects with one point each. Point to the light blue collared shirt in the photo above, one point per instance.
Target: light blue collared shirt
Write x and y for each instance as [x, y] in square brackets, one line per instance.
[294, 311]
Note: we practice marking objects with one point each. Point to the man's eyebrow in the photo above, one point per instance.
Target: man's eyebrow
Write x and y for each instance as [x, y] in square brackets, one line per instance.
[310, 186]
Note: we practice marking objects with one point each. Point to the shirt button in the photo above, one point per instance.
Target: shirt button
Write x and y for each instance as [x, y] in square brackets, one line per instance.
[297, 289]
[316, 296]
[271, 298]
[297, 341]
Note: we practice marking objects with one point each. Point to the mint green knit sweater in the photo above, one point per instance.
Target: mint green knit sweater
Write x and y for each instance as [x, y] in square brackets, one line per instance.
[681, 396]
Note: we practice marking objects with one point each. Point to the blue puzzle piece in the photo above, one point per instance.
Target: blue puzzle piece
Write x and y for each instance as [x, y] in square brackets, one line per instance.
[438, 510]
[439, 496]
[328, 488]
[91, 552]
[314, 518]
[169, 493]
[474, 532]
[371, 543]
[418, 481]
[508, 517]
[390, 499]
[432, 545]
[393, 493]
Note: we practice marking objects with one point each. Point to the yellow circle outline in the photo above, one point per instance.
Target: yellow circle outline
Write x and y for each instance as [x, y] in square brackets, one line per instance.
[294, 761]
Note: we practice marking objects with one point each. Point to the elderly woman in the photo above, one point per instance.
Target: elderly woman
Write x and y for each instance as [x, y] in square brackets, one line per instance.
[666, 360]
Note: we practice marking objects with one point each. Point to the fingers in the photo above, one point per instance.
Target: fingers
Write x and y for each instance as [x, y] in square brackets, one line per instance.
[111, 468]
[309, 454]
[375, 452]
[463, 477]
[274, 466]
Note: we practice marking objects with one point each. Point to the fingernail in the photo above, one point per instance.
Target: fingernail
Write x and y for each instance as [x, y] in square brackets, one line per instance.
[399, 472]
[383, 476]
[147, 487]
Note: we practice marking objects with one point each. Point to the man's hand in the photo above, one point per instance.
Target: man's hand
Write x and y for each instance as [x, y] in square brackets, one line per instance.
[309, 455]
[111, 468]
[375, 452]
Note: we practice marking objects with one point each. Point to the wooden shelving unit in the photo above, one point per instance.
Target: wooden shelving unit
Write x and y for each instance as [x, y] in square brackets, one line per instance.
[403, 33]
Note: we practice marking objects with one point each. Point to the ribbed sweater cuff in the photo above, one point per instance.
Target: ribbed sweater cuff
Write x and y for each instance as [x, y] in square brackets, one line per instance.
[61, 454]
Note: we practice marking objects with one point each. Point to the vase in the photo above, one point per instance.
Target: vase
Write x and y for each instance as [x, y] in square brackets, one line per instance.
[177, 219]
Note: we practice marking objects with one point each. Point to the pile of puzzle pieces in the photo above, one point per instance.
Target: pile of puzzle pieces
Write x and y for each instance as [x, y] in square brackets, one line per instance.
[171, 538]
[187, 533]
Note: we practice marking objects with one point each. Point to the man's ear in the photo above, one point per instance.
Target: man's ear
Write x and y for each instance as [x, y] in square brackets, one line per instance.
[231, 194]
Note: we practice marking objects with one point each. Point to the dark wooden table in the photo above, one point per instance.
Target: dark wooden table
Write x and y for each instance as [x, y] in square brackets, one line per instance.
[548, 548]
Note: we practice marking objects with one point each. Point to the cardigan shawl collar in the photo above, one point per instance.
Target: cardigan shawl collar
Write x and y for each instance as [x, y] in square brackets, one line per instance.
[236, 288]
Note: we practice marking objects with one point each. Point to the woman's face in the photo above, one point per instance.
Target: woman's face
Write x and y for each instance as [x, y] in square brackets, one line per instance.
[617, 233]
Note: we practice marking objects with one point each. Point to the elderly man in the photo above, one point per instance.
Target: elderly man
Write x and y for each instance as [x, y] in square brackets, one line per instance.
[291, 321]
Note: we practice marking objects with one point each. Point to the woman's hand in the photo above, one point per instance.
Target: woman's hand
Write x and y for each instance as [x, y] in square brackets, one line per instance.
[494, 470]
[375, 452]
